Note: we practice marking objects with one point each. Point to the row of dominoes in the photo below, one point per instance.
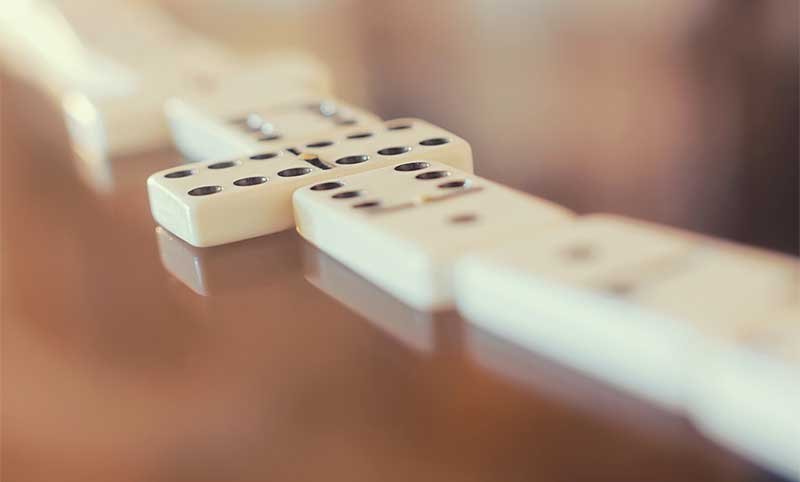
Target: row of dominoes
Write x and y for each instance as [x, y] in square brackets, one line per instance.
[675, 318]
[686, 321]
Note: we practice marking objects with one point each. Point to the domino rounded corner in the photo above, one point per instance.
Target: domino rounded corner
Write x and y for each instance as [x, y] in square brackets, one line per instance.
[174, 106]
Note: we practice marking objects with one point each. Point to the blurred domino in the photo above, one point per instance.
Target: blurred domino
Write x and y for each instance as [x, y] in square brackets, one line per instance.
[217, 202]
[403, 226]
[39, 44]
[747, 395]
[106, 65]
[202, 134]
[103, 126]
[631, 303]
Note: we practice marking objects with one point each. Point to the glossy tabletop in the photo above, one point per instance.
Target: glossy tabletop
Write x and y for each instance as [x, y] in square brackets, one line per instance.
[129, 355]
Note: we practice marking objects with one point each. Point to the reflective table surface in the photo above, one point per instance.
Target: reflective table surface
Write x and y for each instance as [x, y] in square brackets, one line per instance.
[130, 355]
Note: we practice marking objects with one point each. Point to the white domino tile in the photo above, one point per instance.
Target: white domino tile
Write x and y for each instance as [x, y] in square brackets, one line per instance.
[292, 120]
[101, 126]
[747, 393]
[396, 140]
[217, 202]
[628, 302]
[403, 226]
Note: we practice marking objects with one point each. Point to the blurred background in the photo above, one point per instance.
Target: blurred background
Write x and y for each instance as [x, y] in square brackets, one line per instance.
[683, 112]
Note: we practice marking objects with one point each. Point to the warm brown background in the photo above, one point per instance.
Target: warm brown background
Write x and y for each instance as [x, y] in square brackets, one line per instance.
[678, 111]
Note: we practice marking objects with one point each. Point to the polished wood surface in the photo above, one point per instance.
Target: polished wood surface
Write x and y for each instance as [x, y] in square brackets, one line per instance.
[290, 367]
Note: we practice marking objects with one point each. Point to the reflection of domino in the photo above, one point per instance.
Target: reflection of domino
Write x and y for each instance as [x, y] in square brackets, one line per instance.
[112, 76]
[549, 379]
[224, 269]
[403, 226]
[414, 328]
[634, 304]
[747, 395]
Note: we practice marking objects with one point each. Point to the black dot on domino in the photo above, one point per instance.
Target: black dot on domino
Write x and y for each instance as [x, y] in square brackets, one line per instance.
[222, 165]
[453, 184]
[464, 218]
[620, 288]
[436, 141]
[579, 252]
[250, 181]
[294, 172]
[315, 145]
[327, 186]
[432, 175]
[412, 166]
[264, 156]
[394, 151]
[177, 174]
[360, 135]
[367, 204]
[205, 190]
[346, 195]
[353, 159]
[270, 137]
[399, 127]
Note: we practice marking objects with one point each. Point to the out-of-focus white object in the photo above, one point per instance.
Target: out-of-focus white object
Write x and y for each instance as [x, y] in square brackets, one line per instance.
[747, 394]
[39, 44]
[637, 305]
[695, 324]
[112, 65]
[555, 294]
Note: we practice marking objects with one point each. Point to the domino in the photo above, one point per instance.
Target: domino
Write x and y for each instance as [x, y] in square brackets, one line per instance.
[217, 202]
[104, 126]
[747, 395]
[630, 303]
[112, 95]
[202, 134]
[403, 226]
[38, 44]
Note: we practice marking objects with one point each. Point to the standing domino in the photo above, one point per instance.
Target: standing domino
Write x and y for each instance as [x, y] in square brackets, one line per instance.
[218, 202]
[403, 226]
[201, 133]
[631, 303]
